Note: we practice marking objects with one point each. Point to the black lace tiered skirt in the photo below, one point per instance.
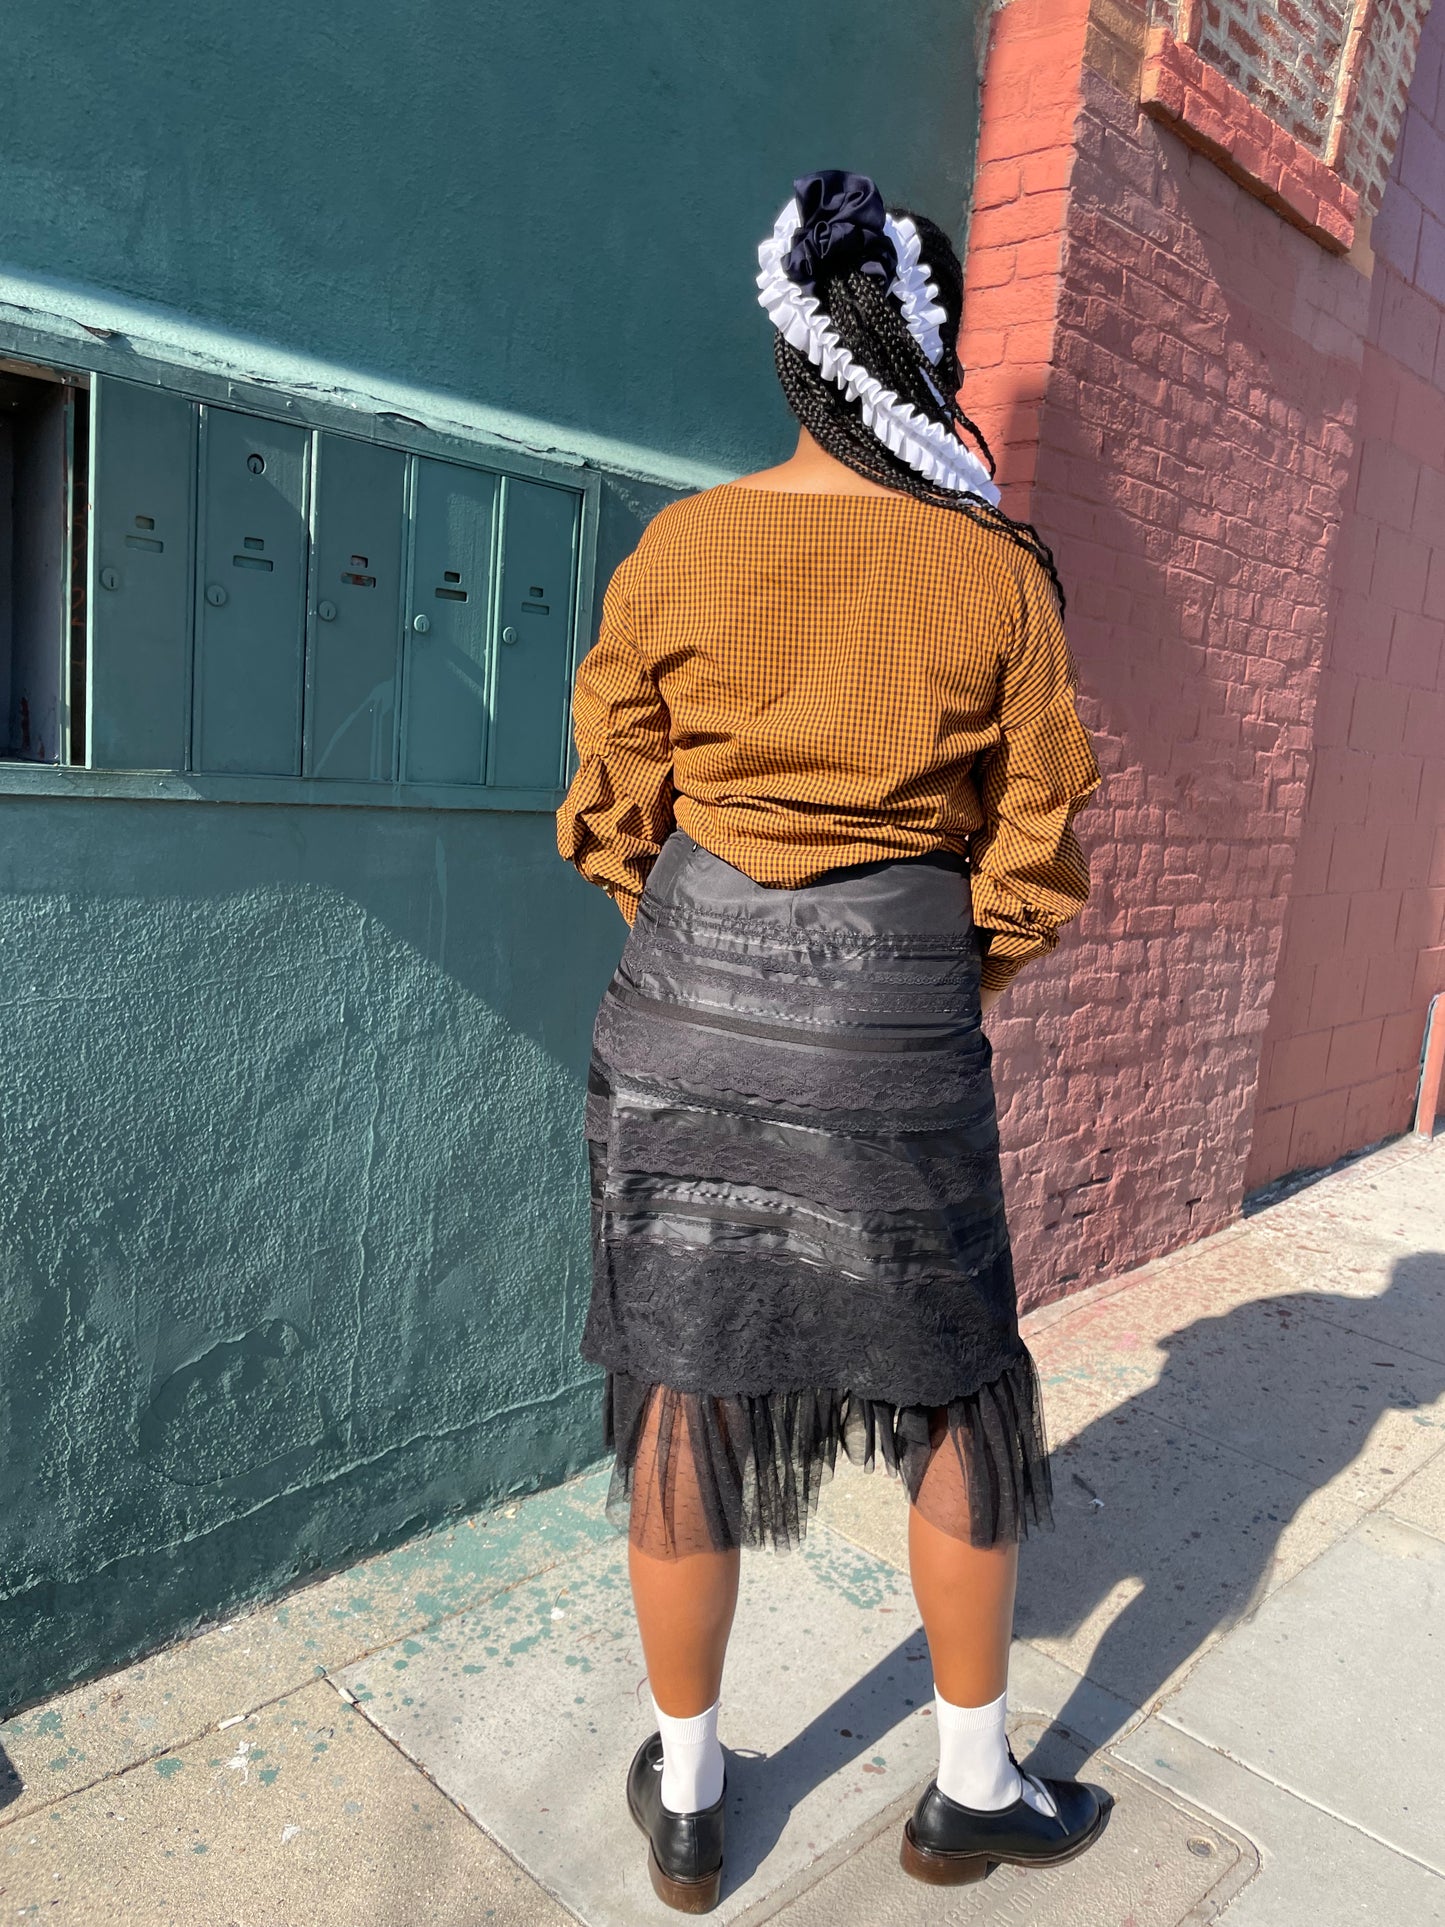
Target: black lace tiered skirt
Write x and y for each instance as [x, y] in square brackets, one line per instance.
[798, 1228]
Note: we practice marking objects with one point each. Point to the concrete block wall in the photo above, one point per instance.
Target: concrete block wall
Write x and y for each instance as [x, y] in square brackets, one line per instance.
[1170, 375]
[1364, 946]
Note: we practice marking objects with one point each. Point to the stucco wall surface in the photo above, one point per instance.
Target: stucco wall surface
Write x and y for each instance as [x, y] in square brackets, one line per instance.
[550, 208]
[1364, 946]
[292, 1233]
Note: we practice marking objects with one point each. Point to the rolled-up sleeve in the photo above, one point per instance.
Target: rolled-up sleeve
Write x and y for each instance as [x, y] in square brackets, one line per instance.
[1029, 873]
[618, 809]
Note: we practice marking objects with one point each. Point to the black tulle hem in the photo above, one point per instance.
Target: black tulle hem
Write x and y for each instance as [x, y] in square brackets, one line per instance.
[693, 1472]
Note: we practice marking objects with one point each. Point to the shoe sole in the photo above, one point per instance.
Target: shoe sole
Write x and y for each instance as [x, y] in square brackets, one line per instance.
[684, 1896]
[959, 1869]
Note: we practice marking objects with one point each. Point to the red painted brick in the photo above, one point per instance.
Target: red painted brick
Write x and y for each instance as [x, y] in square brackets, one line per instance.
[1418, 428]
[1422, 918]
[1357, 857]
[1269, 1147]
[1318, 1135]
[1298, 1066]
[1417, 650]
[1354, 1051]
[1024, 219]
[1402, 1038]
[1337, 989]
[997, 183]
[1377, 720]
[1409, 326]
[1371, 922]
[1390, 984]
[1430, 499]
[1408, 855]
[1388, 480]
[1375, 1110]
[1402, 568]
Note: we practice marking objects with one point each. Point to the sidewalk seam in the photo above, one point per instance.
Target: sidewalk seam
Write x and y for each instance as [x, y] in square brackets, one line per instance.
[1283, 1786]
[471, 1819]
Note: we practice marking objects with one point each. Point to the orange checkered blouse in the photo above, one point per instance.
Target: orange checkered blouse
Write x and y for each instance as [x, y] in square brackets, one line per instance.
[803, 681]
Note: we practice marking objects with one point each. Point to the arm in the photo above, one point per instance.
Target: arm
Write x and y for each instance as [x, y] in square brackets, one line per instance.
[618, 810]
[1029, 874]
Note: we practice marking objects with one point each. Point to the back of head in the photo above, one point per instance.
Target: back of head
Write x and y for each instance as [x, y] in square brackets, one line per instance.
[868, 303]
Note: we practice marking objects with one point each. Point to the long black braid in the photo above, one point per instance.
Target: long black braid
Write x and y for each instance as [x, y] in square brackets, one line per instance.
[872, 328]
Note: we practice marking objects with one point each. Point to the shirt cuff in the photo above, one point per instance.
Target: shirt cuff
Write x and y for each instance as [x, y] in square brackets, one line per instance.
[1007, 954]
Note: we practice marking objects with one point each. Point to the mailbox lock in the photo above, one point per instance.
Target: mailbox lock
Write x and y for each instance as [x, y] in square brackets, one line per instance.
[110, 578]
[509, 634]
[421, 624]
[215, 595]
[326, 611]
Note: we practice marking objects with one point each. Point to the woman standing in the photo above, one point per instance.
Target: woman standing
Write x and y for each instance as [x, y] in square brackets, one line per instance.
[829, 764]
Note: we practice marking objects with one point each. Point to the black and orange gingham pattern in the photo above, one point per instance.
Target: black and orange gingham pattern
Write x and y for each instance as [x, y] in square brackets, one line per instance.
[803, 681]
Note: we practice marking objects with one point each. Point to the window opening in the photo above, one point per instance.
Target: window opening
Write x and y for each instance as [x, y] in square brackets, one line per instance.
[75, 696]
[42, 550]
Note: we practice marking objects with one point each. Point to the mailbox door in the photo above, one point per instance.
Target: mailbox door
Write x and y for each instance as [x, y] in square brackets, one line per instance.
[449, 608]
[529, 732]
[142, 540]
[251, 606]
[355, 610]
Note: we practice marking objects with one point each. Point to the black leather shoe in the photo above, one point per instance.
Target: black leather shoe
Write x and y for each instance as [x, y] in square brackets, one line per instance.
[947, 1844]
[685, 1850]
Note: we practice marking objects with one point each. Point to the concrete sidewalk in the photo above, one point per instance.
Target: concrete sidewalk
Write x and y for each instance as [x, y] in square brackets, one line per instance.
[1236, 1627]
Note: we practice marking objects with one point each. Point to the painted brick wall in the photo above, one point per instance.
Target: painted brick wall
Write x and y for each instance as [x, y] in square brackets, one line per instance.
[1364, 941]
[1188, 462]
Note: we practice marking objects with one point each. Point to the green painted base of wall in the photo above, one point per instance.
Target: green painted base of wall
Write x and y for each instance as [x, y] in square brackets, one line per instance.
[64, 1631]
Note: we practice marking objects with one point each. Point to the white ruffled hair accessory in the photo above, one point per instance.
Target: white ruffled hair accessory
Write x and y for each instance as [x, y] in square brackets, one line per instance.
[929, 448]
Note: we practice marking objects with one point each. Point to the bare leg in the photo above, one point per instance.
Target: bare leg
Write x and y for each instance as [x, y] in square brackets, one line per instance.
[965, 1593]
[684, 1613]
[684, 1593]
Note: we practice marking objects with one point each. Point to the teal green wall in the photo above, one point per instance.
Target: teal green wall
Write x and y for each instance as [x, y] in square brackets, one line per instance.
[292, 1201]
[553, 206]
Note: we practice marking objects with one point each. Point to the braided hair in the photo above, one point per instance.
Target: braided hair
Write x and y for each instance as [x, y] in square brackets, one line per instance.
[872, 328]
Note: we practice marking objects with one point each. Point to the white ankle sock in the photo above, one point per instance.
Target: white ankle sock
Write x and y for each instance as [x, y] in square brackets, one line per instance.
[974, 1767]
[692, 1761]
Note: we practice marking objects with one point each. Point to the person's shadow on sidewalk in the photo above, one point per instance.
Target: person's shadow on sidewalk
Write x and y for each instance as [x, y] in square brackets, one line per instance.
[1175, 1501]
[1181, 1495]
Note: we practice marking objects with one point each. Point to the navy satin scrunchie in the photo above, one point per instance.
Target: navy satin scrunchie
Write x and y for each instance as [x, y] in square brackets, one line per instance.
[842, 230]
